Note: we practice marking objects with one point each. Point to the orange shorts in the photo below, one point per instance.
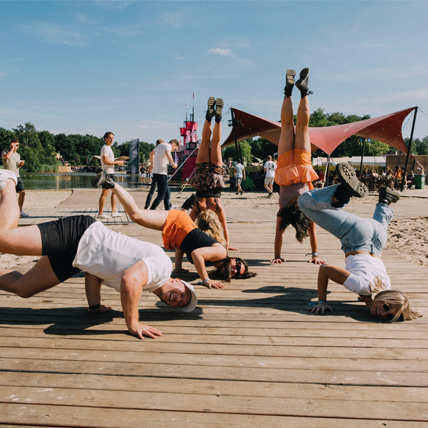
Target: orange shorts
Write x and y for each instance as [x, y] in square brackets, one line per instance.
[177, 226]
[295, 166]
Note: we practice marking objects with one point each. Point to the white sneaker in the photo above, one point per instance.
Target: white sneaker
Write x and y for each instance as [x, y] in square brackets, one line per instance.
[24, 215]
[116, 214]
[103, 216]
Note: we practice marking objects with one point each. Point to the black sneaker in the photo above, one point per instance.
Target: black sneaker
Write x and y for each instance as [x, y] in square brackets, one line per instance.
[211, 111]
[303, 81]
[219, 103]
[98, 179]
[108, 183]
[289, 82]
[388, 196]
[189, 202]
[350, 181]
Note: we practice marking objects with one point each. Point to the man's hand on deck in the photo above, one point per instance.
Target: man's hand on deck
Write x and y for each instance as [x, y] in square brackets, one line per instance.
[141, 330]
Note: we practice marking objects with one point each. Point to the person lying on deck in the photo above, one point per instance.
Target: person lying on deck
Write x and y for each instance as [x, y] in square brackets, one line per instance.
[80, 243]
[363, 240]
[181, 234]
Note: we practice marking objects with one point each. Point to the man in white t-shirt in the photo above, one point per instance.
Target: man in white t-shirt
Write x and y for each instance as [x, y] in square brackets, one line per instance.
[239, 177]
[108, 163]
[80, 243]
[160, 157]
[270, 168]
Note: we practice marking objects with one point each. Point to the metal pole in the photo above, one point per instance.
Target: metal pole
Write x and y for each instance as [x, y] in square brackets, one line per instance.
[237, 150]
[408, 149]
[326, 172]
[362, 157]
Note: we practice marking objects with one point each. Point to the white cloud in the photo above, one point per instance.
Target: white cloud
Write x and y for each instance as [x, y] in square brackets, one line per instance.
[58, 34]
[220, 51]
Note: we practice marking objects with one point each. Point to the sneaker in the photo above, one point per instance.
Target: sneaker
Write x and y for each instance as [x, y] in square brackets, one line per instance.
[103, 216]
[189, 202]
[350, 181]
[116, 214]
[289, 82]
[219, 103]
[210, 112]
[270, 195]
[98, 179]
[388, 196]
[303, 81]
[24, 215]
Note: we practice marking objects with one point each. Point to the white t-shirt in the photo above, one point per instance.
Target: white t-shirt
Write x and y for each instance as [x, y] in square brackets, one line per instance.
[239, 170]
[270, 167]
[107, 254]
[364, 270]
[160, 161]
[107, 151]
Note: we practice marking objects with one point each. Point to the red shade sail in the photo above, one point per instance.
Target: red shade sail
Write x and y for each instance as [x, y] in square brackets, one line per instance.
[386, 129]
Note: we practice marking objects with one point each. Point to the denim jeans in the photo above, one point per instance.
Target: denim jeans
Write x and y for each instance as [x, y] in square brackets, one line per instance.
[152, 191]
[164, 193]
[355, 233]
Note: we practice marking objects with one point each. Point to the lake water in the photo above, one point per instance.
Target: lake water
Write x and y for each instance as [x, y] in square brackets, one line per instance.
[74, 180]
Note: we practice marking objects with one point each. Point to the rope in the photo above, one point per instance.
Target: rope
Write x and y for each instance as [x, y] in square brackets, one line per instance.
[175, 172]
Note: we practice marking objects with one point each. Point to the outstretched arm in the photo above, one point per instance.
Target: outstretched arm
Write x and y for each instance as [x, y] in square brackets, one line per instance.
[325, 273]
[214, 253]
[93, 294]
[131, 286]
[278, 244]
[178, 263]
[314, 245]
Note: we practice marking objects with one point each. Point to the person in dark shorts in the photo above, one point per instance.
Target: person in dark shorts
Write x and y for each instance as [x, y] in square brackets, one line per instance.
[180, 233]
[80, 243]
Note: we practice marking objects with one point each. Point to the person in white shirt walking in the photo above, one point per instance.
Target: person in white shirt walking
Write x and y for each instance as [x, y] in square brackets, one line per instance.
[239, 176]
[12, 161]
[108, 163]
[270, 168]
[160, 156]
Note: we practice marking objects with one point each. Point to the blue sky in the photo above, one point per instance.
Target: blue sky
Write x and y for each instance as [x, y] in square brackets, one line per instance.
[131, 66]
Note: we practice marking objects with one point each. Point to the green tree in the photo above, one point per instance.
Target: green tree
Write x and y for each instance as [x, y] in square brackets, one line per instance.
[230, 152]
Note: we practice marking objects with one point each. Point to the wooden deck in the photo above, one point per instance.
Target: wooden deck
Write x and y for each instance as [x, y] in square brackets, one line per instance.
[248, 356]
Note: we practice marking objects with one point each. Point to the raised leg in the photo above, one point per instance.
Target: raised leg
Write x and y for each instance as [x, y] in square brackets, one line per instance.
[216, 157]
[204, 147]
[302, 140]
[286, 138]
[147, 218]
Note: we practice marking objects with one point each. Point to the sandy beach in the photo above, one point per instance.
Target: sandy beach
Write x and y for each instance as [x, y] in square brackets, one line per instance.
[407, 236]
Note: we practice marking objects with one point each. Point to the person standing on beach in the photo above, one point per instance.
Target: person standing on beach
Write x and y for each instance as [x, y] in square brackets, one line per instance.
[12, 161]
[239, 176]
[159, 167]
[108, 163]
[153, 185]
[270, 168]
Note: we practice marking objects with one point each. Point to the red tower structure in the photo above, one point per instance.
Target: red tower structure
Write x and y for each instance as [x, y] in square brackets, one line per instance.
[188, 148]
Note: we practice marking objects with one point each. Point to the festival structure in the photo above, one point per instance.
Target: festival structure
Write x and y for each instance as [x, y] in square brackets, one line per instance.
[188, 149]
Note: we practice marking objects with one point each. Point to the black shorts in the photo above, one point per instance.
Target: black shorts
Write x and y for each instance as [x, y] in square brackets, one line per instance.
[20, 185]
[211, 193]
[60, 239]
[196, 239]
[108, 176]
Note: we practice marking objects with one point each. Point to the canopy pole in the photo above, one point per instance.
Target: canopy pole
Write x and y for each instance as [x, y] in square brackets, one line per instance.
[326, 171]
[233, 123]
[408, 150]
[362, 157]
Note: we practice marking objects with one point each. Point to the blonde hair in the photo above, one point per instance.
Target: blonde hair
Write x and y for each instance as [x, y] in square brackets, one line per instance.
[209, 222]
[396, 298]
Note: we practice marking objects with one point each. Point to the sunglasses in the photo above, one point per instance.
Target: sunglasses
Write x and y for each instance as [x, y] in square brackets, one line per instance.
[238, 267]
[387, 308]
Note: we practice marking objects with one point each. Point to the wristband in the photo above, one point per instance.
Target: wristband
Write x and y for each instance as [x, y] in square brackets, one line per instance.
[95, 307]
[322, 301]
[205, 281]
[313, 254]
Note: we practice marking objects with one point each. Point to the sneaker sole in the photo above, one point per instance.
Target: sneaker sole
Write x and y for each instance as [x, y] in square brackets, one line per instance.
[211, 103]
[304, 75]
[393, 195]
[350, 180]
[219, 103]
[289, 77]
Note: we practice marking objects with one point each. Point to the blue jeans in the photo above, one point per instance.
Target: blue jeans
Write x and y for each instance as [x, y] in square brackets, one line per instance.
[152, 191]
[355, 233]
[163, 191]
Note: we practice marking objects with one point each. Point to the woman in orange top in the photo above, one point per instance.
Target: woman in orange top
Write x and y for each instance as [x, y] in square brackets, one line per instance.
[295, 173]
[181, 234]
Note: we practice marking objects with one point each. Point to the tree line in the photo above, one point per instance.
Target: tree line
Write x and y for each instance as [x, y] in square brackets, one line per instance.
[38, 147]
